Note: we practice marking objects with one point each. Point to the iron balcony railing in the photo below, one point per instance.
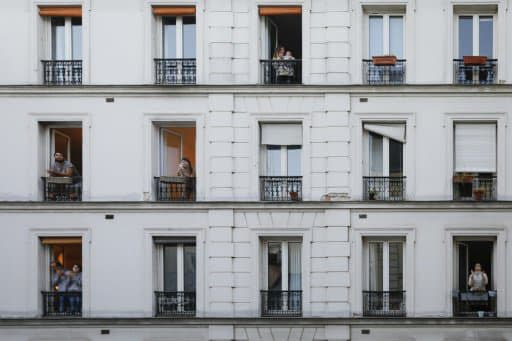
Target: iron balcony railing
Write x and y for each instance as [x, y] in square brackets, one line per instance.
[175, 188]
[281, 303]
[486, 73]
[474, 303]
[62, 304]
[281, 71]
[474, 188]
[281, 188]
[175, 71]
[62, 72]
[56, 188]
[384, 303]
[376, 74]
[175, 303]
[384, 187]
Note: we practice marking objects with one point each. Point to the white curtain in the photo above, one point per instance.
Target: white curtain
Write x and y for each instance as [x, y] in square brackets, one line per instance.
[281, 134]
[375, 266]
[475, 147]
[294, 266]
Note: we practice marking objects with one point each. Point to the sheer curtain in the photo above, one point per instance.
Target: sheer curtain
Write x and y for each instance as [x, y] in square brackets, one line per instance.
[294, 274]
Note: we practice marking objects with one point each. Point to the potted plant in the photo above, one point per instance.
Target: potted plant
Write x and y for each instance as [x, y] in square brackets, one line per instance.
[478, 193]
[294, 195]
[384, 60]
[463, 178]
[475, 60]
[372, 194]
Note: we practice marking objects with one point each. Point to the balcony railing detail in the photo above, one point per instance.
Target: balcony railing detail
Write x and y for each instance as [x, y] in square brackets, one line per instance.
[175, 71]
[376, 74]
[62, 304]
[62, 72]
[384, 303]
[474, 188]
[281, 303]
[175, 303]
[62, 188]
[485, 73]
[281, 188]
[175, 188]
[278, 71]
[474, 303]
[384, 187]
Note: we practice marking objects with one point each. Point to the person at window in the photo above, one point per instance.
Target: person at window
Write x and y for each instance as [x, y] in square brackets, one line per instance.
[186, 170]
[63, 168]
[59, 282]
[279, 66]
[478, 279]
[288, 67]
[75, 288]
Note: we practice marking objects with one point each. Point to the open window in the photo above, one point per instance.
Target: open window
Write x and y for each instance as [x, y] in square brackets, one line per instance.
[474, 175]
[62, 276]
[384, 161]
[281, 44]
[281, 160]
[175, 178]
[175, 291]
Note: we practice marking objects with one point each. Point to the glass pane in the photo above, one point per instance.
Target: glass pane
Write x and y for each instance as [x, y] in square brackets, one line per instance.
[395, 267]
[294, 266]
[465, 36]
[189, 258]
[58, 39]
[485, 36]
[294, 160]
[375, 266]
[396, 154]
[375, 154]
[375, 38]
[274, 266]
[396, 36]
[171, 152]
[189, 37]
[169, 37]
[273, 160]
[76, 36]
[170, 268]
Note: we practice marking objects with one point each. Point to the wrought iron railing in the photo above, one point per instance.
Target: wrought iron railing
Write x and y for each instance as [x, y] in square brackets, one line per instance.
[384, 187]
[56, 188]
[384, 303]
[62, 72]
[474, 188]
[175, 188]
[474, 303]
[281, 71]
[281, 303]
[281, 188]
[384, 74]
[175, 303]
[175, 71]
[486, 73]
[62, 304]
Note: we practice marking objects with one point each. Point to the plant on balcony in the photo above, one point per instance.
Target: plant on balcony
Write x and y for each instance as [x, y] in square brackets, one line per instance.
[475, 60]
[478, 193]
[372, 194]
[294, 195]
[384, 60]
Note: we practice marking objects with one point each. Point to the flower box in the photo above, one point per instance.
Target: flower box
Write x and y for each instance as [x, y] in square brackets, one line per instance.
[384, 60]
[475, 60]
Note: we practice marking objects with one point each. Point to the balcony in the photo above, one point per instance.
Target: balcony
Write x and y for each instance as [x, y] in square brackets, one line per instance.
[281, 188]
[175, 71]
[474, 303]
[474, 188]
[281, 303]
[62, 304]
[62, 72]
[475, 71]
[175, 188]
[390, 188]
[62, 188]
[384, 303]
[384, 71]
[277, 71]
[175, 303]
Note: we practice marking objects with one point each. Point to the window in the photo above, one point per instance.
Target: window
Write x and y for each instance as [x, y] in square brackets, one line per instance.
[475, 161]
[384, 278]
[62, 274]
[282, 283]
[66, 38]
[281, 146]
[176, 284]
[384, 161]
[476, 35]
[386, 35]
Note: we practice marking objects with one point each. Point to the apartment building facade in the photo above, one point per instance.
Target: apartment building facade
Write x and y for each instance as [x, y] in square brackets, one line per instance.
[343, 191]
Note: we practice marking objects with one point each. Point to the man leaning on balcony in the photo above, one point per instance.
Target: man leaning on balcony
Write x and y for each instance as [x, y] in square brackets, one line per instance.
[63, 168]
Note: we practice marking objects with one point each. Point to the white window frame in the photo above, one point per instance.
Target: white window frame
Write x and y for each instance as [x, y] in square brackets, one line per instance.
[284, 262]
[385, 260]
[68, 38]
[385, 32]
[385, 150]
[179, 35]
[180, 268]
[283, 156]
[476, 32]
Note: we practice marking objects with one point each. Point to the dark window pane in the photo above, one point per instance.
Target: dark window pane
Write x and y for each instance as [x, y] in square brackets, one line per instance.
[395, 267]
[189, 258]
[396, 151]
[274, 266]
[170, 268]
[465, 36]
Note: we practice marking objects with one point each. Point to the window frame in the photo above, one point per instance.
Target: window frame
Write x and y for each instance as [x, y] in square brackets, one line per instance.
[385, 150]
[180, 266]
[284, 261]
[385, 32]
[161, 153]
[476, 30]
[68, 38]
[283, 154]
[385, 241]
[160, 37]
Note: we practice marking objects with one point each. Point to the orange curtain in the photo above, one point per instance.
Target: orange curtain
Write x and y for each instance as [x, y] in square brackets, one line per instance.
[60, 11]
[61, 240]
[174, 10]
[280, 10]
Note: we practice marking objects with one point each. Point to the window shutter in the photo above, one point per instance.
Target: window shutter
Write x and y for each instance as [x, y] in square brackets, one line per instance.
[60, 11]
[60, 240]
[279, 10]
[281, 134]
[475, 147]
[392, 131]
[174, 10]
[174, 240]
